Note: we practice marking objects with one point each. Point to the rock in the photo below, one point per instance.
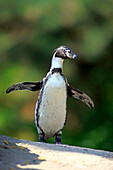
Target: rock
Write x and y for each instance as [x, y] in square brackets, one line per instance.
[21, 154]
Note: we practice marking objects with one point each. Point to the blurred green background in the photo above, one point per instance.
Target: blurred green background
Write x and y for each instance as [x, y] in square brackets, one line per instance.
[29, 32]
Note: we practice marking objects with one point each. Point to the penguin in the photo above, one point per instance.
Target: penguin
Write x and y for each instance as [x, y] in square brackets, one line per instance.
[51, 106]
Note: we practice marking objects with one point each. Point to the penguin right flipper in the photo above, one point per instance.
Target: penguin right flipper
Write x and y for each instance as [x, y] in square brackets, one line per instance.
[32, 86]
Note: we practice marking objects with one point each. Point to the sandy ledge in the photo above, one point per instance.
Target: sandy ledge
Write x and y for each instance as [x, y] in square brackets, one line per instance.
[16, 154]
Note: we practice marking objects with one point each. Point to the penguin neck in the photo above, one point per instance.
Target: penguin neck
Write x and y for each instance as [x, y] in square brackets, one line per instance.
[56, 63]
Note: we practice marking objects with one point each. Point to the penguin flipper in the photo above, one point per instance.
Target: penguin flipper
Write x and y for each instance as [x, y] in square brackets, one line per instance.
[32, 86]
[72, 92]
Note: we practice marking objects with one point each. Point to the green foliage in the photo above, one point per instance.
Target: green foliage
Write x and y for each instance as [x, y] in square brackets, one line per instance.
[29, 32]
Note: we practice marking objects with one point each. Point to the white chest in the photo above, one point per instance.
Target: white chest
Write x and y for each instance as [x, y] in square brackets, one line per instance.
[52, 110]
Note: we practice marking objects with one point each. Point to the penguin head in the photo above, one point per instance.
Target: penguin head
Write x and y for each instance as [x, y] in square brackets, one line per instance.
[64, 52]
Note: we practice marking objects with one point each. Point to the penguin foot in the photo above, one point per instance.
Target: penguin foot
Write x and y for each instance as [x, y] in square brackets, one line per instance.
[41, 138]
[58, 139]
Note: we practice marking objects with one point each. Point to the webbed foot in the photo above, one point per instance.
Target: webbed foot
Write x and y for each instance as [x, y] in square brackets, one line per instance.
[41, 138]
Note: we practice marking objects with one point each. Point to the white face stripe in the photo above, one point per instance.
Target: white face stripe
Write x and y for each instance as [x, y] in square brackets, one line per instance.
[56, 62]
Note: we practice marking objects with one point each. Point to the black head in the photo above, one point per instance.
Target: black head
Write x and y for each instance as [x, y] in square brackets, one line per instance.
[64, 52]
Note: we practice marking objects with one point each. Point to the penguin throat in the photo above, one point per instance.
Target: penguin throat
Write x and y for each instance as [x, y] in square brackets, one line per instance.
[56, 63]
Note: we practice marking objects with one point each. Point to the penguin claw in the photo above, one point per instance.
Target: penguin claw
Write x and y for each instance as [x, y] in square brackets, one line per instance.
[43, 141]
[57, 142]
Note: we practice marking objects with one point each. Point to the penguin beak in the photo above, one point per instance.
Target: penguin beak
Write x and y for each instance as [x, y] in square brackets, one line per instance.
[72, 55]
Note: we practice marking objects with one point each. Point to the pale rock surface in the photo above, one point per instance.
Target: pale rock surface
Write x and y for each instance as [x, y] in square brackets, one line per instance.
[16, 154]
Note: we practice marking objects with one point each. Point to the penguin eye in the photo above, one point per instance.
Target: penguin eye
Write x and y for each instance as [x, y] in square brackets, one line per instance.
[67, 51]
[64, 50]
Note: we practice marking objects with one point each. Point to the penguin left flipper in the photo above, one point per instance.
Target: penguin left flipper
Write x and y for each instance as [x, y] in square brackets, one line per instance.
[32, 86]
[72, 92]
